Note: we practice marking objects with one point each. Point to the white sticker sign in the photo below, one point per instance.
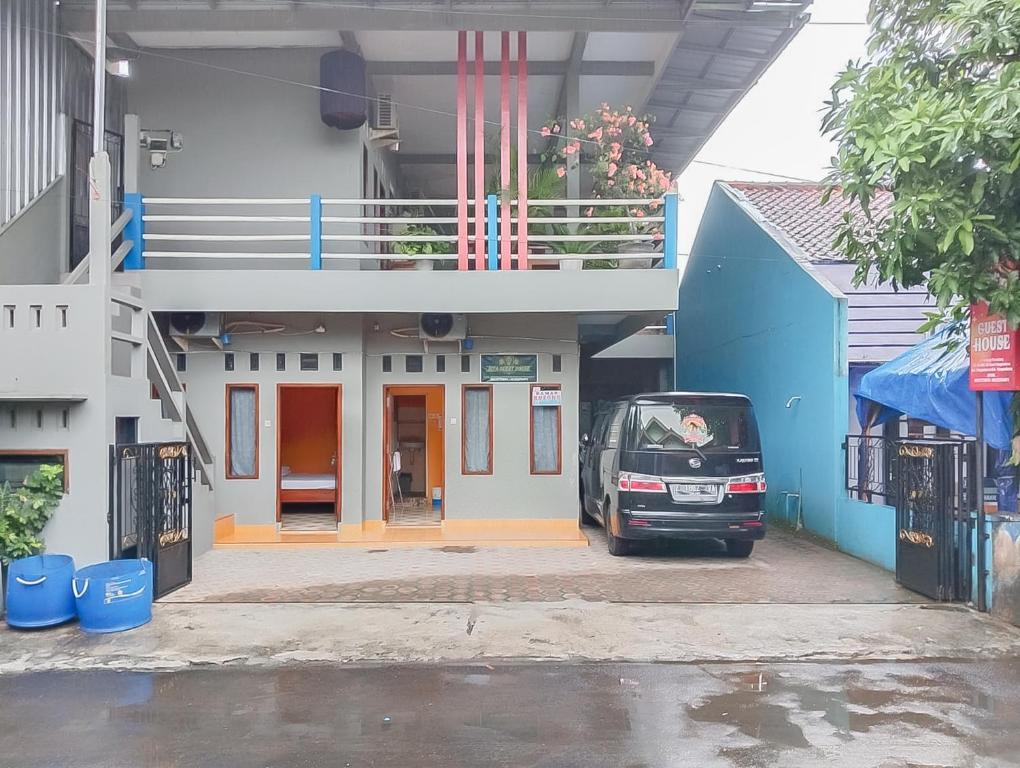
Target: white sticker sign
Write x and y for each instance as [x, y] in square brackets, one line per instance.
[546, 396]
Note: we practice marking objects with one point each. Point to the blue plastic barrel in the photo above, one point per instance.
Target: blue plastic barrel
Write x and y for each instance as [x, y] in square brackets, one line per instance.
[39, 591]
[114, 596]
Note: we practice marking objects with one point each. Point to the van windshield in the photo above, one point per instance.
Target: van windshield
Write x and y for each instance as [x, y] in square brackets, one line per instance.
[700, 426]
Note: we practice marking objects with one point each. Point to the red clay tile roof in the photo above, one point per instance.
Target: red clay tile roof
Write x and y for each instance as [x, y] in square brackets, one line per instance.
[796, 209]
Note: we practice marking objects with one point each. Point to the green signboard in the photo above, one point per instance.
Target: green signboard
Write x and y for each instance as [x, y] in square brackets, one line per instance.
[509, 367]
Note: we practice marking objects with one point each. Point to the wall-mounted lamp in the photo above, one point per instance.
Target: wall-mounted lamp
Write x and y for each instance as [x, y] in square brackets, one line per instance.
[119, 68]
[792, 400]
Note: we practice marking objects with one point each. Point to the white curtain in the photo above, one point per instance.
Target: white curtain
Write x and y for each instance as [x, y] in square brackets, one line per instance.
[546, 438]
[242, 432]
[476, 429]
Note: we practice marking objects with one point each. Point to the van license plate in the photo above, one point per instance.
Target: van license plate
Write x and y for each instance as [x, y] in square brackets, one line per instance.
[694, 492]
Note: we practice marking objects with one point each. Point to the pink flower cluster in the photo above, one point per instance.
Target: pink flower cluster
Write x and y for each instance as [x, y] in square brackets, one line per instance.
[615, 146]
[616, 143]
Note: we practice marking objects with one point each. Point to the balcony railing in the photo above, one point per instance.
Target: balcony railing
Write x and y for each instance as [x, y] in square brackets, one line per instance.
[324, 233]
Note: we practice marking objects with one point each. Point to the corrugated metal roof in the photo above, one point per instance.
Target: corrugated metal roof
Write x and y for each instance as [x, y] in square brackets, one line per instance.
[721, 53]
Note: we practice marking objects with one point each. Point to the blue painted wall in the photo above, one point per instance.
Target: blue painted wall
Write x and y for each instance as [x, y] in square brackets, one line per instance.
[868, 531]
[752, 320]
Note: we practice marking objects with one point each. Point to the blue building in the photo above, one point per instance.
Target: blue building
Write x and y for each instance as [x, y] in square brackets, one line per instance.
[767, 308]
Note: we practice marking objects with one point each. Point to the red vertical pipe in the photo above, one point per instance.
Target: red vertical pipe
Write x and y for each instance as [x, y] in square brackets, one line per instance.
[522, 150]
[505, 253]
[462, 163]
[479, 150]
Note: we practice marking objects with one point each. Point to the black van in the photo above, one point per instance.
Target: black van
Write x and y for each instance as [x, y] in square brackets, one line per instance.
[683, 465]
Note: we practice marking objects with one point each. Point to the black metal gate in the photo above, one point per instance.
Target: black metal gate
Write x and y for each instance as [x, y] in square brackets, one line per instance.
[150, 509]
[934, 494]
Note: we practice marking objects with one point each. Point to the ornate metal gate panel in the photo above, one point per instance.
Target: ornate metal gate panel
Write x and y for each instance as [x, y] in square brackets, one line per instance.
[934, 496]
[150, 509]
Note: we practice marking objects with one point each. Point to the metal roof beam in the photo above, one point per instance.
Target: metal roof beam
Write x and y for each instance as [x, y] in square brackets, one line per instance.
[652, 16]
[656, 105]
[448, 158]
[681, 83]
[535, 68]
[729, 53]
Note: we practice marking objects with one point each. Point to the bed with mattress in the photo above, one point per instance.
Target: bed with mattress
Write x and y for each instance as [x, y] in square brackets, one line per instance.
[297, 487]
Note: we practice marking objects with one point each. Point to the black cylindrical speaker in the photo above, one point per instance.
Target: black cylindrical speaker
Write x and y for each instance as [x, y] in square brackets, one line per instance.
[342, 101]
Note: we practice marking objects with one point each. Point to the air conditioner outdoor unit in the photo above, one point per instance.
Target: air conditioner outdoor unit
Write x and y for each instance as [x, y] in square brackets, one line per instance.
[195, 325]
[385, 113]
[385, 128]
[442, 326]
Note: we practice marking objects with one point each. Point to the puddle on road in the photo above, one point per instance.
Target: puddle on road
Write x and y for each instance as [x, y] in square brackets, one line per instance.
[747, 708]
[763, 705]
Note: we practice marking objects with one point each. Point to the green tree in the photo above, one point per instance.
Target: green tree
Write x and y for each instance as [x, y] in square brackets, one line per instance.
[933, 114]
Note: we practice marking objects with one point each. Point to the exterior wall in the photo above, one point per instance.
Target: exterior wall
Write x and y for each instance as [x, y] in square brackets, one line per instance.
[1004, 564]
[753, 320]
[265, 140]
[510, 492]
[33, 247]
[254, 501]
[868, 531]
[74, 367]
[881, 322]
[70, 377]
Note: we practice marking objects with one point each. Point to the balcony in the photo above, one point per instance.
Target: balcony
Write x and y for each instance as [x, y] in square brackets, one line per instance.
[393, 234]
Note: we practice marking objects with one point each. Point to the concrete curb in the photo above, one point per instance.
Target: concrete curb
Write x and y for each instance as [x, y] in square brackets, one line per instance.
[188, 636]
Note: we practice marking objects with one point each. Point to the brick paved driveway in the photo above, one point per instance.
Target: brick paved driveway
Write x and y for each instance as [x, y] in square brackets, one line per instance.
[783, 569]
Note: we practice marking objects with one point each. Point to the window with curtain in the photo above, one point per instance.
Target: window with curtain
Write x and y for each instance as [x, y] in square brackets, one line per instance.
[545, 432]
[477, 424]
[242, 431]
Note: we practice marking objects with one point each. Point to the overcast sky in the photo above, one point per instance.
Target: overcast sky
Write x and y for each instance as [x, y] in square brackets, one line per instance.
[776, 127]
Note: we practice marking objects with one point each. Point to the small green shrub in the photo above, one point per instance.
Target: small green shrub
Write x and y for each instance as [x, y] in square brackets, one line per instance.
[25, 511]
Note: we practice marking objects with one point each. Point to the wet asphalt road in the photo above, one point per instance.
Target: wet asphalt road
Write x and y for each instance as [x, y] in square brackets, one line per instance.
[619, 715]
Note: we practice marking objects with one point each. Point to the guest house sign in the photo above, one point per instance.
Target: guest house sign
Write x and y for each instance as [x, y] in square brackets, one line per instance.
[994, 352]
[509, 368]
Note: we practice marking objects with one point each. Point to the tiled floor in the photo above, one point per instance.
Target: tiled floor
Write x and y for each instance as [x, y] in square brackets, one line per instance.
[414, 512]
[782, 569]
[308, 521]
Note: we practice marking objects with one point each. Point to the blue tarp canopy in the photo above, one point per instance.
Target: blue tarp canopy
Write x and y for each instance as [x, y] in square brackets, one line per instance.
[932, 383]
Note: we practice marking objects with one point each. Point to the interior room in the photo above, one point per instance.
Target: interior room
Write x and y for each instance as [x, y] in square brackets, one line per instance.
[308, 457]
[410, 498]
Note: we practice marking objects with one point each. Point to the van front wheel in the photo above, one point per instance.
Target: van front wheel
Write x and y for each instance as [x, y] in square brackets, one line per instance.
[739, 548]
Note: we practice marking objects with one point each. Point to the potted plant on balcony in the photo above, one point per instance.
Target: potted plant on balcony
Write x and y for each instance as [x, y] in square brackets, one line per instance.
[544, 183]
[615, 145]
[417, 248]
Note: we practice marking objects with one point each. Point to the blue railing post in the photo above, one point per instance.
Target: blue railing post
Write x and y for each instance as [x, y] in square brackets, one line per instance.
[492, 232]
[315, 234]
[671, 324]
[135, 231]
[669, 230]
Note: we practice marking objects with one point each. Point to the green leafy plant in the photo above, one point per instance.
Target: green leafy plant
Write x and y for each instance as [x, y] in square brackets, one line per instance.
[418, 247]
[931, 115]
[25, 511]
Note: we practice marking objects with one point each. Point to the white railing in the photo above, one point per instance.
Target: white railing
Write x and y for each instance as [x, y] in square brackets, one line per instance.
[80, 272]
[326, 232]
